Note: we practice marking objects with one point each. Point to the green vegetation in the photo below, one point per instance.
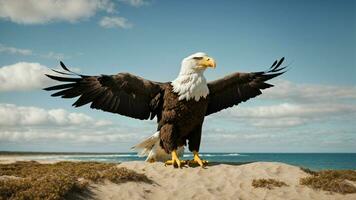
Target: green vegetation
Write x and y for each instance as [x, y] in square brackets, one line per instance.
[32, 180]
[331, 180]
[267, 183]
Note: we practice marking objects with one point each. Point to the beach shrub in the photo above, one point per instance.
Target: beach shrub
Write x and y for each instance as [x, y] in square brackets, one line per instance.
[32, 180]
[309, 171]
[267, 183]
[332, 180]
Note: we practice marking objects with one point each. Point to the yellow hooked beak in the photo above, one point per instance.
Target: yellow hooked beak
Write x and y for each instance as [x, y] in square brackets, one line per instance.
[206, 62]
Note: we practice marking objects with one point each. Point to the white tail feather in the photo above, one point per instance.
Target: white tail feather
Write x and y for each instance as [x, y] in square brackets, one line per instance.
[144, 148]
[151, 148]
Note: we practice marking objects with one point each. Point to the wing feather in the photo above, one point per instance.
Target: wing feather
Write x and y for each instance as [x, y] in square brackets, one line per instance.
[240, 87]
[123, 93]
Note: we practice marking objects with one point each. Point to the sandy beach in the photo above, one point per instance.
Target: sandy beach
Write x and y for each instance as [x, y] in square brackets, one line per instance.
[217, 181]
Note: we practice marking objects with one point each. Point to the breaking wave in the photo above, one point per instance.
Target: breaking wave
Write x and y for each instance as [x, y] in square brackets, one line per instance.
[119, 157]
[215, 155]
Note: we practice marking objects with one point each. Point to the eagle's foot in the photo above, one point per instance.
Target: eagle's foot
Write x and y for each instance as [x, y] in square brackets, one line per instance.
[198, 160]
[175, 160]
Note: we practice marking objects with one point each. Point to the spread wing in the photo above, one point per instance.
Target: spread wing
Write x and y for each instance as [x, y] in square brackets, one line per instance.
[123, 93]
[239, 87]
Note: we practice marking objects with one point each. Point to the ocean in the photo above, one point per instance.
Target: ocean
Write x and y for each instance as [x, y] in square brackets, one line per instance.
[314, 161]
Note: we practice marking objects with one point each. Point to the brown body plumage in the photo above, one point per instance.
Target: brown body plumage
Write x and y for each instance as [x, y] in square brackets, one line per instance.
[179, 120]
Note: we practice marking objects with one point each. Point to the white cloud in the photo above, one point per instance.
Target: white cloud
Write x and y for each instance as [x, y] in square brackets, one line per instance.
[12, 115]
[279, 123]
[135, 3]
[23, 76]
[45, 11]
[60, 129]
[103, 123]
[13, 50]
[286, 90]
[23, 124]
[292, 110]
[295, 139]
[115, 22]
[286, 114]
[59, 135]
[296, 104]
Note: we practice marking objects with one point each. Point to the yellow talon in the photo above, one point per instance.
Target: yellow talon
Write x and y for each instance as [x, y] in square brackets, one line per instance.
[175, 160]
[198, 160]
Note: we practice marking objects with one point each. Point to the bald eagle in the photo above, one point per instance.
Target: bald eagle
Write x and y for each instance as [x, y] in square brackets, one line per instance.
[180, 106]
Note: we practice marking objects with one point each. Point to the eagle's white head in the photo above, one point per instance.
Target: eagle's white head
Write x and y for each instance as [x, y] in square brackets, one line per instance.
[191, 83]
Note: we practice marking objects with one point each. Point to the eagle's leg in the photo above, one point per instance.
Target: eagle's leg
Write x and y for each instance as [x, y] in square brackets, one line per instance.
[198, 160]
[175, 160]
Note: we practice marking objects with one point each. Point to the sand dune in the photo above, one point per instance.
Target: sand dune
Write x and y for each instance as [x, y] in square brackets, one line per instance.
[215, 182]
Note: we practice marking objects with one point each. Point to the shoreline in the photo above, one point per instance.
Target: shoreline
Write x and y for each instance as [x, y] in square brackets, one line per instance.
[319, 161]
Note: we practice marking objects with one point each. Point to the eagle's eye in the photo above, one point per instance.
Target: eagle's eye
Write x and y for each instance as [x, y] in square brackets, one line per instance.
[197, 58]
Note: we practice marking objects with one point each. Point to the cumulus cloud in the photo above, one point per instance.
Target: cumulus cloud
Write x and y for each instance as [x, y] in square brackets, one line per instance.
[45, 11]
[286, 90]
[292, 110]
[115, 22]
[287, 114]
[13, 50]
[26, 124]
[61, 135]
[23, 76]
[296, 104]
[13, 115]
[271, 140]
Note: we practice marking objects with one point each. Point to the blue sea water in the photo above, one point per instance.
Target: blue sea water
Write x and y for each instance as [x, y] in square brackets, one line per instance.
[315, 161]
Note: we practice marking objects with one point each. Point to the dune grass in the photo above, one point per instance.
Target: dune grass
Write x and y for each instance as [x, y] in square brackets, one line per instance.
[267, 183]
[338, 181]
[32, 180]
[309, 171]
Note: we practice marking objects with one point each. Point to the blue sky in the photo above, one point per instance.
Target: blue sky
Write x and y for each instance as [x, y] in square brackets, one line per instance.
[311, 109]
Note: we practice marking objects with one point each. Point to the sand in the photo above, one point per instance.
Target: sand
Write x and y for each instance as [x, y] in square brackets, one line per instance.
[217, 181]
